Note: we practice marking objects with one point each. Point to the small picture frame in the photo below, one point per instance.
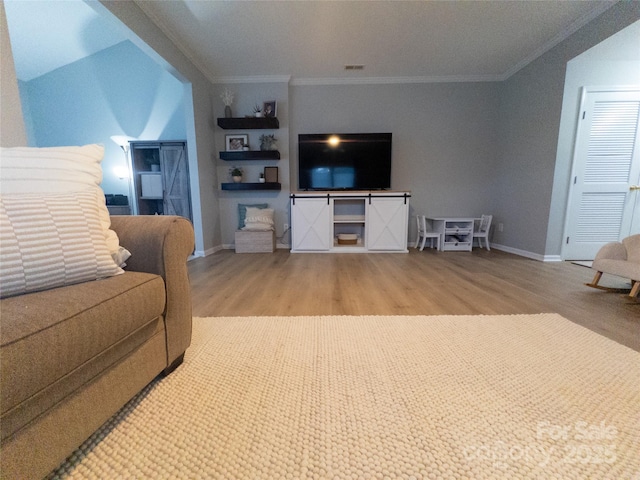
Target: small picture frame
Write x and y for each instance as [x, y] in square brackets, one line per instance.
[236, 142]
[269, 108]
[271, 174]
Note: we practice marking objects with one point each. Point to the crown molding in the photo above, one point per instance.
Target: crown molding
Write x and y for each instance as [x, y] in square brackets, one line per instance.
[201, 66]
[354, 81]
[164, 28]
[560, 37]
[394, 80]
[252, 79]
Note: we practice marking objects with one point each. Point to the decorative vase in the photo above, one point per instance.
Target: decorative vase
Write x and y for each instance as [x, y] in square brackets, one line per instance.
[227, 111]
[259, 115]
[261, 180]
[237, 178]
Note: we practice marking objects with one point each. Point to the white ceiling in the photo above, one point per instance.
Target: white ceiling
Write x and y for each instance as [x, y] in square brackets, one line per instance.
[48, 34]
[312, 41]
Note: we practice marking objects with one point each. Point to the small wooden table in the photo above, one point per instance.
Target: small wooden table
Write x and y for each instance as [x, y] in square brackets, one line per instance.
[456, 234]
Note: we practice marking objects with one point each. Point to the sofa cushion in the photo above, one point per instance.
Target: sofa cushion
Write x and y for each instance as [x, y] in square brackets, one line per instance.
[54, 342]
[51, 240]
[57, 170]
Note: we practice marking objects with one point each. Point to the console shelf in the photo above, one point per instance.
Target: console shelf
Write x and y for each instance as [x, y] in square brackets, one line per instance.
[250, 155]
[348, 218]
[248, 123]
[251, 186]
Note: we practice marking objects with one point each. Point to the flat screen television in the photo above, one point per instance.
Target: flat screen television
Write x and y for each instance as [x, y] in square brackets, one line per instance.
[344, 161]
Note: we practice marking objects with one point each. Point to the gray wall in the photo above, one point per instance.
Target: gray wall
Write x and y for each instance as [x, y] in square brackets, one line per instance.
[198, 113]
[530, 104]
[616, 61]
[462, 149]
[118, 91]
[246, 96]
[444, 137]
[199, 119]
[472, 148]
[530, 111]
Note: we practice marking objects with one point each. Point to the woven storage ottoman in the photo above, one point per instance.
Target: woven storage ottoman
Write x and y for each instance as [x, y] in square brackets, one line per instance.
[255, 241]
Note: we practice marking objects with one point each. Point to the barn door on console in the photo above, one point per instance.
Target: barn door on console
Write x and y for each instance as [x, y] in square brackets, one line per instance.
[311, 224]
[387, 223]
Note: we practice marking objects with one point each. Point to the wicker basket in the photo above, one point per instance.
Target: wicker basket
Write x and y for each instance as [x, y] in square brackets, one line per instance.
[347, 239]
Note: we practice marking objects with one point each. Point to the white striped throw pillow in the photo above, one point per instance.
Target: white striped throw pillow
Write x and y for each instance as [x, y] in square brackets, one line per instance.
[51, 240]
[45, 170]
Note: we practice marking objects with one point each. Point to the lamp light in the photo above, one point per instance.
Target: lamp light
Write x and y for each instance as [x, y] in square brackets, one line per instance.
[121, 172]
[125, 172]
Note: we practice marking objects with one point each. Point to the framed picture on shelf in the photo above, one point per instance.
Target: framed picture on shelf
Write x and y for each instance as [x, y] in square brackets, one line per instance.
[237, 142]
[269, 108]
[271, 174]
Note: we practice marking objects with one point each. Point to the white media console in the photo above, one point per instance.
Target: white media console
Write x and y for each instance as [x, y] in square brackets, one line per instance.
[349, 221]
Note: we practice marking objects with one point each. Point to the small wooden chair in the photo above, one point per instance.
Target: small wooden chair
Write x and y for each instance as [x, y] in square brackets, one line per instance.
[423, 233]
[484, 225]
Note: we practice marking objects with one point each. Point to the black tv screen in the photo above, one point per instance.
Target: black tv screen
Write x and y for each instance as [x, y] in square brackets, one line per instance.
[339, 161]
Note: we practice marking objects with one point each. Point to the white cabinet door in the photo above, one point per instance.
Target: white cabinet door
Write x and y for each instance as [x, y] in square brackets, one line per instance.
[311, 224]
[151, 185]
[387, 224]
[604, 204]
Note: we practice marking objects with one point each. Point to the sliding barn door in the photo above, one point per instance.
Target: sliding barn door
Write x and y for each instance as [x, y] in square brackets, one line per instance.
[603, 204]
[387, 220]
[311, 224]
[175, 179]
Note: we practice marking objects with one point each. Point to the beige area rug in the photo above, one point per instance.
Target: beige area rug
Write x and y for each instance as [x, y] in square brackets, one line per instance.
[406, 397]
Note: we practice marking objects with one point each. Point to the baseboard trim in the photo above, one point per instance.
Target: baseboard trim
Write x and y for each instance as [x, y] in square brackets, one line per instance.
[207, 252]
[527, 254]
[497, 246]
[232, 246]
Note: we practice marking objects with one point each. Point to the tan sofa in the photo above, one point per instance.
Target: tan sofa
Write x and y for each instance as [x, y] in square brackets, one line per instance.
[71, 357]
[621, 259]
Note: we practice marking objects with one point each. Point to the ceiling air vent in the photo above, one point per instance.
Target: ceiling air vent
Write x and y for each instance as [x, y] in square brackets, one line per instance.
[354, 67]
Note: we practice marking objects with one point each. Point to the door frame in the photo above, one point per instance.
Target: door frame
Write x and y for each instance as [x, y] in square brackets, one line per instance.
[574, 160]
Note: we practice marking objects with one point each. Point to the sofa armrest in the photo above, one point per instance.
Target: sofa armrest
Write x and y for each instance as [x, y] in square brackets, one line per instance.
[161, 244]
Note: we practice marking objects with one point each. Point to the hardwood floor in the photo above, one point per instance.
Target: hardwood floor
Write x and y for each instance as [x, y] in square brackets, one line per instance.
[418, 283]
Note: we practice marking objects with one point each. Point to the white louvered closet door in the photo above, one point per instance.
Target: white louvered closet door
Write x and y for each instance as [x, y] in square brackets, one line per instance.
[604, 204]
